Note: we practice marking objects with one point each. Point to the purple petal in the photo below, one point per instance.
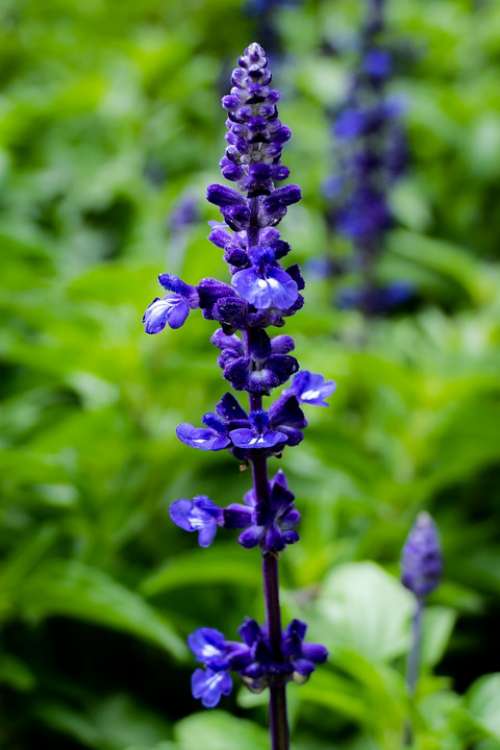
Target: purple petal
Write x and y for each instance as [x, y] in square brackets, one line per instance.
[303, 667]
[172, 310]
[209, 686]
[311, 388]
[246, 438]
[207, 534]
[180, 512]
[287, 412]
[250, 537]
[174, 284]
[229, 409]
[250, 631]
[315, 652]
[275, 289]
[223, 196]
[199, 514]
[207, 644]
[237, 516]
[282, 344]
[203, 439]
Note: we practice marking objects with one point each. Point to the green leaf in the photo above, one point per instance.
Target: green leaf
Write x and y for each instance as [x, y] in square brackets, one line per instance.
[114, 723]
[438, 625]
[224, 564]
[483, 700]
[72, 589]
[15, 674]
[366, 609]
[216, 730]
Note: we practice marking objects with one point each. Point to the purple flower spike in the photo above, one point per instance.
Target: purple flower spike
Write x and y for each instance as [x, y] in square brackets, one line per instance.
[199, 514]
[422, 563]
[371, 154]
[259, 292]
[209, 686]
[312, 389]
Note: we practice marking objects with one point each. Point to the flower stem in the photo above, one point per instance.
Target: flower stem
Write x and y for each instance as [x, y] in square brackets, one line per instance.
[413, 666]
[278, 721]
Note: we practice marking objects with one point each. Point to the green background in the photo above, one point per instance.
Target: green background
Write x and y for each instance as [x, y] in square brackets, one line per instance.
[109, 112]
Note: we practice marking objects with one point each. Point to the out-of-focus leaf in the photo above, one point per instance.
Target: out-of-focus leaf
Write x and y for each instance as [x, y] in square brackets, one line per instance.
[216, 730]
[483, 701]
[365, 609]
[72, 589]
[223, 564]
[115, 723]
[15, 674]
[437, 628]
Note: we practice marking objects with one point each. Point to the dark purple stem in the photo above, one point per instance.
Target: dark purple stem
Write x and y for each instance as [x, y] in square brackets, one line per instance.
[278, 720]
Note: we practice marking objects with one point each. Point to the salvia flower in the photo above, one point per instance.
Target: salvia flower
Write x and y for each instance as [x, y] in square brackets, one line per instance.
[371, 156]
[261, 292]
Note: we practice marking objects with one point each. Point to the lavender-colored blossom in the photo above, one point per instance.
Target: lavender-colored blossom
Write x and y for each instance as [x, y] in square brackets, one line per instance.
[421, 562]
[261, 292]
[184, 214]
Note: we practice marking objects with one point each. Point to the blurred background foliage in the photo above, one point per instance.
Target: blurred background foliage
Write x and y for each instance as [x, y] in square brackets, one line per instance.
[109, 113]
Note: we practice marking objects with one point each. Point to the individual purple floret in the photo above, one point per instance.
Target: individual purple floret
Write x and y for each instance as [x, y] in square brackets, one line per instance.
[261, 292]
[371, 156]
[311, 389]
[421, 562]
[199, 514]
[271, 527]
[172, 309]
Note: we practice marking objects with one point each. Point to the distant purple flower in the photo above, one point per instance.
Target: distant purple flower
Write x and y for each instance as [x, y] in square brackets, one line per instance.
[421, 563]
[184, 213]
[371, 156]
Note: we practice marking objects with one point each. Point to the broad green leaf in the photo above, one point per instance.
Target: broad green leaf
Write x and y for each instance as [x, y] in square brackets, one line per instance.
[365, 609]
[483, 701]
[72, 589]
[438, 625]
[15, 673]
[114, 723]
[223, 564]
[216, 730]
